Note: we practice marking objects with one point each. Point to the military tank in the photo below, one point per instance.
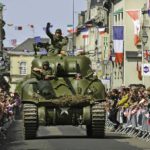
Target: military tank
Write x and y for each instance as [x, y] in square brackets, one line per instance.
[74, 96]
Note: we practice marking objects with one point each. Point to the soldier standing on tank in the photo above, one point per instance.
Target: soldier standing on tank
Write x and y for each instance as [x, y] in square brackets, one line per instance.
[57, 40]
[46, 71]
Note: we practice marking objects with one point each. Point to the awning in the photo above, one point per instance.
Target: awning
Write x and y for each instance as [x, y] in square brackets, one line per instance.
[133, 54]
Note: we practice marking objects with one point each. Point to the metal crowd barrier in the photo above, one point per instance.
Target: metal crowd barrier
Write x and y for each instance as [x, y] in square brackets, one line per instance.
[6, 121]
[137, 125]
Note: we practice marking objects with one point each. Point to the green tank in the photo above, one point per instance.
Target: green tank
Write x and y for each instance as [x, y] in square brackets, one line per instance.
[72, 96]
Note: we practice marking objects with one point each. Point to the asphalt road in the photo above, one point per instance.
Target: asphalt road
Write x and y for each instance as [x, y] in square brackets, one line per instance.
[68, 138]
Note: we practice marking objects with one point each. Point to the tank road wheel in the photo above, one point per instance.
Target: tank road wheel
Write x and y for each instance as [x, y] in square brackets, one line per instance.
[97, 126]
[30, 117]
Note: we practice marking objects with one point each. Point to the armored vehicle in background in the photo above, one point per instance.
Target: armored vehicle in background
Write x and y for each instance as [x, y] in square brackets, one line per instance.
[73, 95]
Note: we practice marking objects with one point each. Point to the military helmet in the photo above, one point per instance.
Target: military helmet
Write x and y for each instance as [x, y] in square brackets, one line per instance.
[45, 63]
[58, 31]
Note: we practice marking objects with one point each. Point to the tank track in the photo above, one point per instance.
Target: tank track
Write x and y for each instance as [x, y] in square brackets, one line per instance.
[30, 117]
[97, 127]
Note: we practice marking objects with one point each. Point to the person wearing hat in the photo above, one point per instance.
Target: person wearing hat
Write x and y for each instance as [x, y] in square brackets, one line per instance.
[57, 40]
[46, 71]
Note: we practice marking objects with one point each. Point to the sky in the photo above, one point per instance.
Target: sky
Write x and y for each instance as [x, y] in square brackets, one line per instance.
[38, 12]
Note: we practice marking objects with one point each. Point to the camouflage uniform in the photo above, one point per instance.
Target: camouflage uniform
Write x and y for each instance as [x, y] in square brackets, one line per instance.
[56, 42]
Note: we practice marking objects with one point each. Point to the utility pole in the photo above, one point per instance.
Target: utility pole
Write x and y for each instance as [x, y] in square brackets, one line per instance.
[1, 27]
[73, 38]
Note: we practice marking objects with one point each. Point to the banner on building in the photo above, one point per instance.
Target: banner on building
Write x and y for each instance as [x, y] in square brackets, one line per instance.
[118, 36]
[146, 69]
[85, 33]
[135, 16]
[105, 47]
[101, 30]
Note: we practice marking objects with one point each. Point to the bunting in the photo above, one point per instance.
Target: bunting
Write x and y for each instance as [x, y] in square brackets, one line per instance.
[13, 42]
[70, 28]
[135, 15]
[10, 24]
[31, 26]
[18, 27]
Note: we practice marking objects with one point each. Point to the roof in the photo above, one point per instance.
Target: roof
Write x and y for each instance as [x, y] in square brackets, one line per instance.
[28, 45]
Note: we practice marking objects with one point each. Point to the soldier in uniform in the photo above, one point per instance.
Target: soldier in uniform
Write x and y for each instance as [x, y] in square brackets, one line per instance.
[46, 71]
[57, 40]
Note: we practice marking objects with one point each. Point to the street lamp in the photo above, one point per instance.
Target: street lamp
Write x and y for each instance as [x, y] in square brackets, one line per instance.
[144, 41]
[73, 21]
[144, 37]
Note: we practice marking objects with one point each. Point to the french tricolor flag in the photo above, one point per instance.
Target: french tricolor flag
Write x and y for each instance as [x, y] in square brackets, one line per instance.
[85, 33]
[118, 34]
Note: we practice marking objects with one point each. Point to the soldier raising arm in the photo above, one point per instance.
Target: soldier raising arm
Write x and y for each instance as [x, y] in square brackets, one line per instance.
[57, 40]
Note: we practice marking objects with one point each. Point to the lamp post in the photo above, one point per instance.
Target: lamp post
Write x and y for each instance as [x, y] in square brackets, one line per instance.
[144, 41]
[144, 37]
[73, 38]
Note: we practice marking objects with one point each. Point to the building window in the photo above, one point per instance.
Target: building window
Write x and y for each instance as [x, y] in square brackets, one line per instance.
[23, 68]
[122, 15]
[115, 19]
[118, 17]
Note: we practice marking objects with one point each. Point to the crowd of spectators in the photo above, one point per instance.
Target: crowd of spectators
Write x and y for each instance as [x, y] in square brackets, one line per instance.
[129, 107]
[9, 105]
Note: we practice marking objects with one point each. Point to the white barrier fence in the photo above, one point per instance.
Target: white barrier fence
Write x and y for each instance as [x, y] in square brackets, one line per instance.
[135, 123]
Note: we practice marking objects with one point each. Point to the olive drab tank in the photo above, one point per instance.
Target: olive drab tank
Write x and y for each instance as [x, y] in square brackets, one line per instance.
[71, 96]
